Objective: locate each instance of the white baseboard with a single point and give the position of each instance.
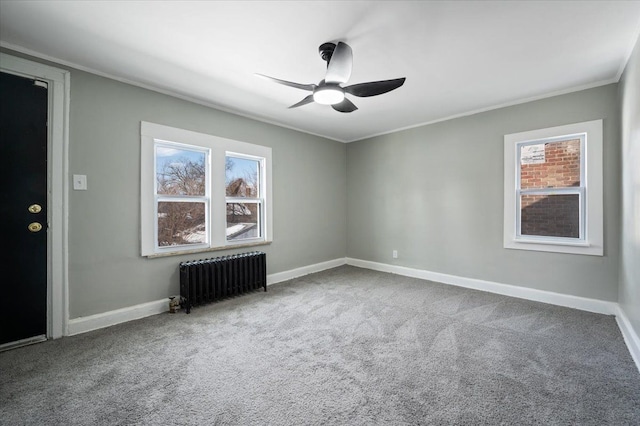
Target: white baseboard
(106, 319)
(305, 270)
(576, 302)
(630, 336)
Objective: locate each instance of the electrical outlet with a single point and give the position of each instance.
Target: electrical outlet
(80, 182)
(395, 254)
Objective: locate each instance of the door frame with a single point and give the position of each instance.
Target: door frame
(58, 81)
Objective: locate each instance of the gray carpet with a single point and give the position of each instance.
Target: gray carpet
(347, 346)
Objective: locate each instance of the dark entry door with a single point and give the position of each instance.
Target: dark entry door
(23, 208)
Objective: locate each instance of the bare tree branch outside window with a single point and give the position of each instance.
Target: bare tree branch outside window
(181, 223)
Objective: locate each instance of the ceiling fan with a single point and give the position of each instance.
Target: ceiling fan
(339, 58)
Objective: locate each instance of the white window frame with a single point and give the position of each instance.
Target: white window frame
(217, 148)
(205, 198)
(254, 200)
(590, 241)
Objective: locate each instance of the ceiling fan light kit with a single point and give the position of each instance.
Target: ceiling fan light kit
(339, 58)
(328, 94)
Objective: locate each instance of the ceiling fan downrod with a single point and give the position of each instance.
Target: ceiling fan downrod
(326, 51)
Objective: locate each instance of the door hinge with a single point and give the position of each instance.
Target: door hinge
(41, 83)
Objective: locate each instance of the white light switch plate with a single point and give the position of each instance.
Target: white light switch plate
(80, 182)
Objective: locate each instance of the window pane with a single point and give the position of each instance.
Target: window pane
(243, 221)
(180, 171)
(550, 165)
(242, 177)
(181, 223)
(550, 215)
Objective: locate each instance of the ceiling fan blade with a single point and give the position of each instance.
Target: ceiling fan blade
(374, 88)
(339, 68)
(345, 106)
(309, 87)
(305, 101)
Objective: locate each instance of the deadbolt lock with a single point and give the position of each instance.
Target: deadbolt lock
(35, 208)
(35, 227)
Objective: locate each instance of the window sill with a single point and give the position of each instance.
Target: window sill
(552, 242)
(584, 248)
(209, 249)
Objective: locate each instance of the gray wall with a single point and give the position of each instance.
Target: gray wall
(629, 290)
(106, 271)
(435, 194)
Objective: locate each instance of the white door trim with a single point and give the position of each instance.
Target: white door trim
(58, 81)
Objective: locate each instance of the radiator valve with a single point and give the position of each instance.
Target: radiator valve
(174, 304)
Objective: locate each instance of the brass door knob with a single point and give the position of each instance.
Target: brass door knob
(35, 227)
(35, 208)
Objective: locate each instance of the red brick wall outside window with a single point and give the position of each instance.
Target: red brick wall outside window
(554, 215)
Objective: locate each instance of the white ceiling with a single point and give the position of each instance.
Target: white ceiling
(459, 57)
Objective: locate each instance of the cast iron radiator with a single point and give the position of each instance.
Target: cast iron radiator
(207, 280)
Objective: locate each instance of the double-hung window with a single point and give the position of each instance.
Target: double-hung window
(201, 192)
(244, 202)
(182, 195)
(553, 189)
